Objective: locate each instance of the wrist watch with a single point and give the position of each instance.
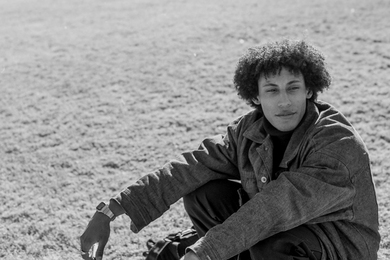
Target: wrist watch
(103, 208)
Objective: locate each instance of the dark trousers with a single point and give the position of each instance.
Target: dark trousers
(214, 202)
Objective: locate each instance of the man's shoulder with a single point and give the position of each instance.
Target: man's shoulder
(330, 117)
(335, 136)
(333, 126)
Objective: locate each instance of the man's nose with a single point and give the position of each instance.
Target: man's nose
(284, 100)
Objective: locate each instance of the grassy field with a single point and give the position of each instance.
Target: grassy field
(93, 94)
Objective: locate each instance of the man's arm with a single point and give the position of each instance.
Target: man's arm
(152, 195)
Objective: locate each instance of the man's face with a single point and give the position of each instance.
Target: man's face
(283, 99)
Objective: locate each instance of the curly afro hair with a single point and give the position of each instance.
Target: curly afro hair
(296, 56)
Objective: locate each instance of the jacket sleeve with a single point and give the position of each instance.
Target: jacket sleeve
(153, 194)
(320, 189)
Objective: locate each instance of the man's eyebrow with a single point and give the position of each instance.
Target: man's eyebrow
(294, 81)
(269, 84)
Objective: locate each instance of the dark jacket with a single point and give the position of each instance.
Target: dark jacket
(323, 181)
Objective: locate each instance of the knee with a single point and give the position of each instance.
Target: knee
(193, 200)
(189, 201)
(212, 195)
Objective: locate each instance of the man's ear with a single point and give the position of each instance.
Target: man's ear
(309, 94)
(256, 100)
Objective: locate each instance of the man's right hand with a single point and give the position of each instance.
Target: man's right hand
(97, 231)
(190, 256)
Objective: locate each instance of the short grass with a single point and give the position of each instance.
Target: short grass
(93, 94)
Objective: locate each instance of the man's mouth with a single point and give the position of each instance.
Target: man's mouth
(285, 114)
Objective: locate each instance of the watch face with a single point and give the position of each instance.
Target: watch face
(100, 206)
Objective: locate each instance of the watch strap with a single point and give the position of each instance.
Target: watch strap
(103, 208)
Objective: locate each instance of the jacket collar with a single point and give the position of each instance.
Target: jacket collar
(256, 133)
(300, 133)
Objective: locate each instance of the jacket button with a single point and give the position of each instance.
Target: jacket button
(263, 179)
(266, 148)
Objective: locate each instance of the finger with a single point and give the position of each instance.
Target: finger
(84, 248)
(84, 245)
(100, 249)
(93, 250)
(85, 255)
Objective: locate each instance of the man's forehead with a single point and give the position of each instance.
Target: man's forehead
(269, 75)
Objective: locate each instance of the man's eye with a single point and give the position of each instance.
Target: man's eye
(271, 90)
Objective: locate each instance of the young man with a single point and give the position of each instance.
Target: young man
(305, 189)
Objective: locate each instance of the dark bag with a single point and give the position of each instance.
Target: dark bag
(171, 247)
